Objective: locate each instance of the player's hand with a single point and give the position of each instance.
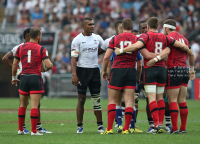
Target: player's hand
(15, 82)
(75, 80)
(151, 62)
(105, 76)
(117, 51)
(192, 74)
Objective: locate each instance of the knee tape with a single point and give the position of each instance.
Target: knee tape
(160, 90)
(96, 101)
(136, 97)
(150, 88)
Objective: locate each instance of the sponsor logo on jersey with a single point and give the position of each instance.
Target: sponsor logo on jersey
(90, 49)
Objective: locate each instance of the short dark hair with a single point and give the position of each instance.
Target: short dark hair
(86, 18)
(26, 31)
(35, 32)
(127, 24)
(136, 31)
(141, 23)
(170, 22)
(117, 23)
(153, 22)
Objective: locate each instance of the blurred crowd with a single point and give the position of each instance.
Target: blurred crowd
(51, 15)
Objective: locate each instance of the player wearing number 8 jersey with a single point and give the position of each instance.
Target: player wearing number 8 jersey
(31, 55)
(154, 77)
(177, 76)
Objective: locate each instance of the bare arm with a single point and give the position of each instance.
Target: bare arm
(7, 59)
(147, 55)
(139, 70)
(191, 58)
(106, 59)
(133, 47)
(105, 63)
(15, 66)
(74, 65)
(109, 68)
(129, 48)
(163, 55)
(182, 46)
(48, 64)
(191, 62)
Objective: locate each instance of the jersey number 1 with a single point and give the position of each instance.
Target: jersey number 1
(158, 46)
(29, 56)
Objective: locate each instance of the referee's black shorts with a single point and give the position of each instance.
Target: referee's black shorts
(88, 77)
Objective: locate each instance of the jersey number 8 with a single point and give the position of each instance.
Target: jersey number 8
(123, 43)
(158, 46)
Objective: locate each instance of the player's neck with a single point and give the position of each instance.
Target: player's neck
(86, 34)
(126, 31)
(153, 30)
(34, 41)
(170, 32)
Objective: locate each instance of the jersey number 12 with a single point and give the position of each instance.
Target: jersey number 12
(122, 43)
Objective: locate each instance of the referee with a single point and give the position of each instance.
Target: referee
(85, 49)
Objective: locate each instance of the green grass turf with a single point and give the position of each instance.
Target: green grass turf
(63, 125)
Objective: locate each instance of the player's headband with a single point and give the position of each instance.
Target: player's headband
(169, 26)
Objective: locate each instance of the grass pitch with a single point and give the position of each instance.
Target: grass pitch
(59, 116)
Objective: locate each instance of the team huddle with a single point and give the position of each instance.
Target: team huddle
(165, 74)
(133, 61)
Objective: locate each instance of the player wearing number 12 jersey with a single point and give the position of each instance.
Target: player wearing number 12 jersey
(123, 75)
(154, 78)
(31, 55)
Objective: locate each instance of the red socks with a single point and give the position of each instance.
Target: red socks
(154, 112)
(174, 115)
(21, 117)
(161, 107)
(128, 117)
(34, 119)
(183, 115)
(111, 115)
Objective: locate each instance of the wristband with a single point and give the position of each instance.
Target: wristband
(159, 58)
(121, 51)
(156, 59)
(191, 67)
(14, 78)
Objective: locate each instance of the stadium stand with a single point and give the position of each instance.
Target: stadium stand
(51, 15)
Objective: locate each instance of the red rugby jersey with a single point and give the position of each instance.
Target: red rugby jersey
(31, 55)
(155, 42)
(177, 57)
(125, 60)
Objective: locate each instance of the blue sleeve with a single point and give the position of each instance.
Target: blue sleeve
(112, 57)
(139, 56)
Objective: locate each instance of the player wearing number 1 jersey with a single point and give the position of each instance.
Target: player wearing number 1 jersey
(154, 78)
(177, 77)
(31, 55)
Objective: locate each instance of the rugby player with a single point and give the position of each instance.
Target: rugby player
(154, 78)
(8, 60)
(120, 105)
(85, 49)
(31, 55)
(177, 76)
